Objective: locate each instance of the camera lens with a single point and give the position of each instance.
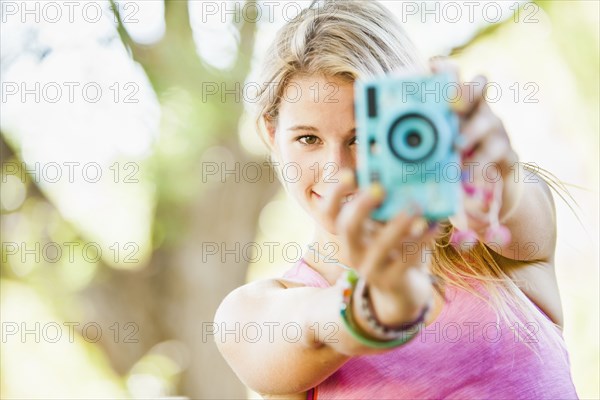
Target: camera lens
(413, 138)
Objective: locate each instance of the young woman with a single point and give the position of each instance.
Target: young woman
(488, 325)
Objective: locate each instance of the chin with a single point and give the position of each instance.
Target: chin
(311, 206)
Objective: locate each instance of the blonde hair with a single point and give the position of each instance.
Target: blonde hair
(333, 38)
(352, 40)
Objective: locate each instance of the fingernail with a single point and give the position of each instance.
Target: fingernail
(376, 191)
(469, 189)
(418, 227)
(457, 105)
(468, 153)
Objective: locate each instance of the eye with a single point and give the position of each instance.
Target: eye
(354, 140)
(308, 140)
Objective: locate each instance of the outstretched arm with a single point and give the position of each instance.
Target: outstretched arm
(527, 207)
(529, 213)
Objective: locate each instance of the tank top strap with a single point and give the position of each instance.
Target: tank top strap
(302, 272)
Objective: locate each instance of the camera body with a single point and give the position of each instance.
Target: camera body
(406, 132)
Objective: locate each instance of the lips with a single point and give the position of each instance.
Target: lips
(346, 199)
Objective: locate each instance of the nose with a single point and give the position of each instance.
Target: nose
(343, 156)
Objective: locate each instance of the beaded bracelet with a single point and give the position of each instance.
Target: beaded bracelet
(349, 281)
(386, 332)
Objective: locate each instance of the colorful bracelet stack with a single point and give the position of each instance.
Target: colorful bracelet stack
(385, 331)
(391, 336)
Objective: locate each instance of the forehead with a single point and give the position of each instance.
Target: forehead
(317, 97)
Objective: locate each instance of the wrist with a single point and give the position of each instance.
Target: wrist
(349, 313)
(400, 324)
(395, 313)
(513, 187)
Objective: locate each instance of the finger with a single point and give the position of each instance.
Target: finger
(370, 228)
(332, 202)
(387, 240)
(493, 151)
(478, 85)
(417, 284)
(430, 235)
(352, 218)
(476, 128)
(470, 96)
(422, 228)
(485, 145)
(424, 246)
(484, 140)
(445, 65)
(421, 236)
(441, 65)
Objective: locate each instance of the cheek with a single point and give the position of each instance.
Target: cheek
(299, 168)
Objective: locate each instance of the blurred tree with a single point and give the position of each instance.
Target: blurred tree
(175, 296)
(178, 291)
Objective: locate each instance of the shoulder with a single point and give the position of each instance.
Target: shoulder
(538, 281)
(291, 278)
(260, 286)
(298, 275)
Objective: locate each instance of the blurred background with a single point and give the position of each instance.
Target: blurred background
(135, 192)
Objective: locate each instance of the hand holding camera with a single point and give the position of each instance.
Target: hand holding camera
(413, 146)
(399, 281)
(409, 142)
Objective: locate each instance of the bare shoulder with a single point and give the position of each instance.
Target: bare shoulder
(271, 283)
(537, 280)
(240, 297)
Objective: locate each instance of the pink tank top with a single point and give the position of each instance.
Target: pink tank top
(464, 354)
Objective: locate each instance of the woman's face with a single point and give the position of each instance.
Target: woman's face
(315, 138)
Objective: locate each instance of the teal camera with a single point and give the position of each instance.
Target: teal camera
(406, 132)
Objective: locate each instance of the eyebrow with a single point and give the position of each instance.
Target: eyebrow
(311, 128)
